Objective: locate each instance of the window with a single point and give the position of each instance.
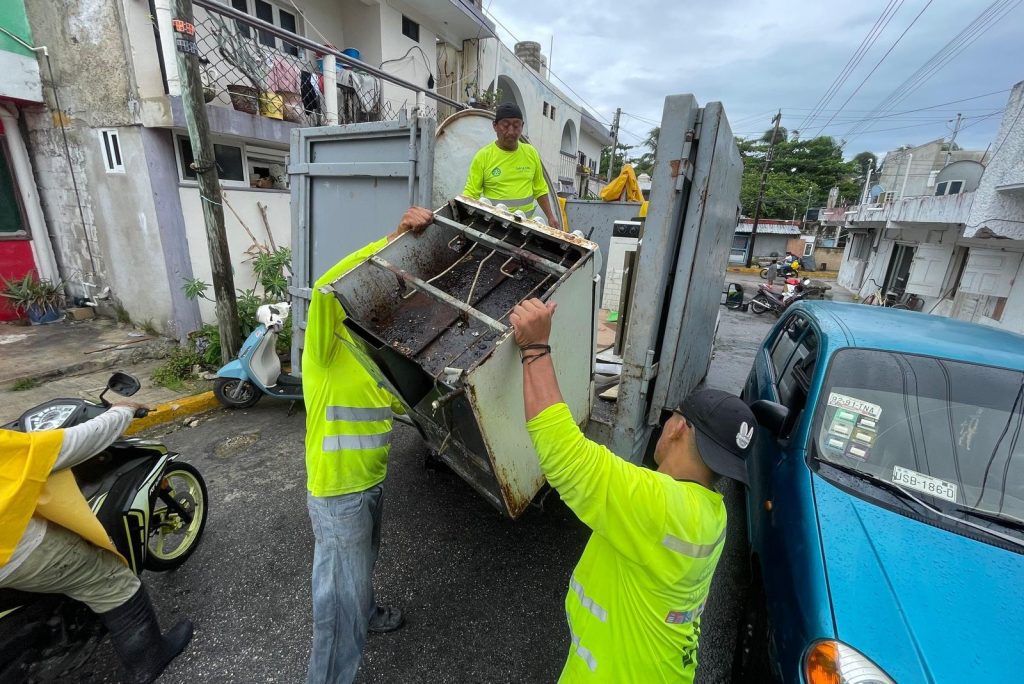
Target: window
(786, 342)
(267, 168)
(111, 150)
(545, 109)
(808, 248)
(230, 164)
(593, 165)
(271, 13)
(860, 247)
(12, 221)
(410, 29)
(552, 112)
(796, 381)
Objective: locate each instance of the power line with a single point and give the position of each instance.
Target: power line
(551, 73)
(978, 26)
(851, 64)
(874, 68)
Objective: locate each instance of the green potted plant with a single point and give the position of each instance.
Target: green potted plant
(41, 301)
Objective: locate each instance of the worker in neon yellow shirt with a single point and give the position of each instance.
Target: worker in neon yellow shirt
(509, 171)
(348, 439)
(636, 596)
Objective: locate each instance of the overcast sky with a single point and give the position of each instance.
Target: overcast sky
(756, 56)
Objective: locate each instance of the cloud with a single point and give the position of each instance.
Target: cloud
(759, 56)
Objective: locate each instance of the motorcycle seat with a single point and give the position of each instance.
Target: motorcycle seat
(289, 379)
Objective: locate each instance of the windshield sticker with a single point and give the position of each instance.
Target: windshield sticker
(864, 408)
(854, 426)
(926, 484)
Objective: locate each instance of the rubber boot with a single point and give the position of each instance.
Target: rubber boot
(135, 633)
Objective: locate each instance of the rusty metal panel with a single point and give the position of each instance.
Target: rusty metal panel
(458, 370)
(700, 265)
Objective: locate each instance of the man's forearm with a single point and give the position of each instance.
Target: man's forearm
(545, 205)
(540, 386)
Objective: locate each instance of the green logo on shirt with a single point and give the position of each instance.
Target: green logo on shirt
(496, 172)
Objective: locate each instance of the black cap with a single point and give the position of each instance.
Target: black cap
(725, 430)
(507, 110)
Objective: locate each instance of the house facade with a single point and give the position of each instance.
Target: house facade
(24, 243)
(774, 238)
(955, 250)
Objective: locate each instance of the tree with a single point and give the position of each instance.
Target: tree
(864, 161)
(620, 159)
(802, 172)
(781, 135)
(645, 162)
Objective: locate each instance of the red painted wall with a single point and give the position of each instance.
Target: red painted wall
(15, 261)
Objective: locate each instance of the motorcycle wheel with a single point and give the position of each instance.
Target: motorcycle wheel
(235, 393)
(171, 540)
(764, 273)
(759, 304)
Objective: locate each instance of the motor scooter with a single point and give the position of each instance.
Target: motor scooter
(257, 370)
(154, 509)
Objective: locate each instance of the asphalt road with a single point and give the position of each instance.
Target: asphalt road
(483, 595)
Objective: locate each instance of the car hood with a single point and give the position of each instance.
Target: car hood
(924, 603)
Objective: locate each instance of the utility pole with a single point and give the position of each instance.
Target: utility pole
(949, 149)
(760, 192)
(205, 165)
(615, 142)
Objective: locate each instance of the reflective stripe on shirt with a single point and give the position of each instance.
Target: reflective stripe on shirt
(587, 602)
(692, 550)
(584, 653)
(512, 203)
(358, 413)
(342, 442)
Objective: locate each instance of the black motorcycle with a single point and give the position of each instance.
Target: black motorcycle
(153, 507)
(768, 299)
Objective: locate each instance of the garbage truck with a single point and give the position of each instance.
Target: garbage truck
(429, 313)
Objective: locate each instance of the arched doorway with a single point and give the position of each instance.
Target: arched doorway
(567, 161)
(508, 91)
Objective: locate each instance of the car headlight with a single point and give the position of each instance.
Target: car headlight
(49, 417)
(833, 662)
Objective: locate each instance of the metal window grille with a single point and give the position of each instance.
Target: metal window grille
(254, 59)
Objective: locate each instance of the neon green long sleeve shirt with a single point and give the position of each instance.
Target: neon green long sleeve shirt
(636, 595)
(348, 414)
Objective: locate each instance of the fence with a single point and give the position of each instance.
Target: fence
(258, 68)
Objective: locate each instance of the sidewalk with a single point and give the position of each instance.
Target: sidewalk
(75, 359)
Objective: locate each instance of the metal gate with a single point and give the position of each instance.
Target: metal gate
(350, 186)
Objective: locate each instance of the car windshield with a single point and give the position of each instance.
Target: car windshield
(949, 432)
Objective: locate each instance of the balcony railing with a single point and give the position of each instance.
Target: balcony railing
(567, 166)
(256, 67)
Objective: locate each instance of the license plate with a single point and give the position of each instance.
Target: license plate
(925, 484)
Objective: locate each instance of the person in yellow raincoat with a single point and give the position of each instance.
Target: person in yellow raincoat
(51, 543)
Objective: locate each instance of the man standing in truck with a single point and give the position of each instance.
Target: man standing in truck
(509, 171)
(348, 438)
(636, 596)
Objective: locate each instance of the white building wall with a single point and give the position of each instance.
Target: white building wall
(1002, 211)
(244, 201)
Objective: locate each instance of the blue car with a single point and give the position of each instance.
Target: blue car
(885, 502)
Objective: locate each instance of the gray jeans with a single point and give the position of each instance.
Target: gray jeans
(347, 533)
(64, 563)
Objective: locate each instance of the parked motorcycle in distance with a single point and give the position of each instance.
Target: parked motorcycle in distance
(768, 299)
(257, 370)
(784, 271)
(154, 508)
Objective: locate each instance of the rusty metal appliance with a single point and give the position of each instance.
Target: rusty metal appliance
(431, 311)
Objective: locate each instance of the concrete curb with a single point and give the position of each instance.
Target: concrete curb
(174, 410)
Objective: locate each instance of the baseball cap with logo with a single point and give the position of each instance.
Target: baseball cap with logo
(725, 430)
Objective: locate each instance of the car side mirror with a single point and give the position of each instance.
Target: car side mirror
(771, 416)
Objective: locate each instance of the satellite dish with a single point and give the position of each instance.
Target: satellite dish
(875, 191)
